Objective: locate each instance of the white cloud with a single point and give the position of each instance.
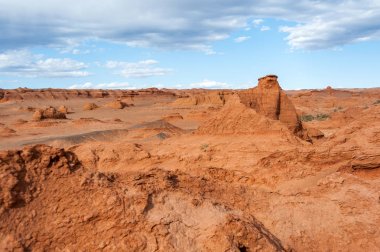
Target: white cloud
(341, 23)
(186, 24)
(208, 84)
(241, 39)
(24, 63)
(140, 69)
(257, 22)
(111, 85)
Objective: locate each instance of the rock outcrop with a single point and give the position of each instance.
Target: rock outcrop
(6, 132)
(270, 100)
(63, 109)
(116, 105)
(209, 98)
(65, 94)
(172, 117)
(236, 118)
(46, 192)
(314, 133)
(23, 171)
(48, 113)
(90, 106)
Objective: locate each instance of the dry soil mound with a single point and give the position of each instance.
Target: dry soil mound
(86, 121)
(158, 126)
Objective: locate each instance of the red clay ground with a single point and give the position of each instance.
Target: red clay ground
(190, 170)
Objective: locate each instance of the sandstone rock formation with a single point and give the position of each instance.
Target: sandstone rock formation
(6, 132)
(48, 113)
(116, 105)
(210, 98)
(270, 100)
(63, 109)
(365, 161)
(314, 133)
(237, 118)
(75, 207)
(23, 171)
(241, 182)
(173, 116)
(65, 94)
(90, 106)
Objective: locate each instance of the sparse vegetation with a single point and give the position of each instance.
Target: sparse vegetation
(322, 117)
(307, 118)
(204, 147)
(318, 117)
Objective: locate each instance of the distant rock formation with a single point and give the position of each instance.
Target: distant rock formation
(66, 94)
(209, 98)
(63, 109)
(90, 106)
(116, 105)
(48, 113)
(270, 100)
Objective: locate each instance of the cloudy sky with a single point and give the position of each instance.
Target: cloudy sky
(189, 43)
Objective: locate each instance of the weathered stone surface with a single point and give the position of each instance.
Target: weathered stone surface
(269, 100)
(90, 106)
(48, 113)
(116, 105)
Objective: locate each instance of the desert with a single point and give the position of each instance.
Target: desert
(189, 126)
(257, 169)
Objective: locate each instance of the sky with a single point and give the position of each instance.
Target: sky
(189, 43)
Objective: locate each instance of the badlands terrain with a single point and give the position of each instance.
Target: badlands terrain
(261, 169)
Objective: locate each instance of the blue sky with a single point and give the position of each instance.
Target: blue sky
(189, 44)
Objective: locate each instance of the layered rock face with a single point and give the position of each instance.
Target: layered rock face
(202, 97)
(270, 100)
(236, 118)
(65, 94)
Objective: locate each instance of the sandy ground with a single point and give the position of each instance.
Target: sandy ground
(160, 175)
